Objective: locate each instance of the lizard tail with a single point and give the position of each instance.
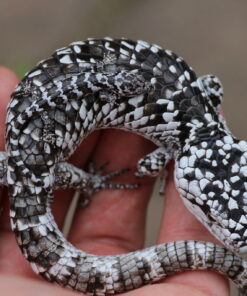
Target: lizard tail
(58, 261)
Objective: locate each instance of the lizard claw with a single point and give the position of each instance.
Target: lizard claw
(92, 169)
(98, 181)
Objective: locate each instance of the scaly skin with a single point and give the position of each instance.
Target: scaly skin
(142, 88)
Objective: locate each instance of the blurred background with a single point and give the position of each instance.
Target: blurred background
(210, 35)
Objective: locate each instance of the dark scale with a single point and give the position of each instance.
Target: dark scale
(145, 89)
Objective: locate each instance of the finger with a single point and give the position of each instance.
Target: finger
(10, 256)
(167, 289)
(179, 224)
(8, 81)
(17, 285)
(13, 285)
(115, 220)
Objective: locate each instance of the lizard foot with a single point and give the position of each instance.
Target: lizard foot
(98, 180)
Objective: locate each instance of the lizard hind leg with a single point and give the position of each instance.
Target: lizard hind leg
(69, 176)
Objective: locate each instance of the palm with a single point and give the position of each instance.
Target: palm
(113, 223)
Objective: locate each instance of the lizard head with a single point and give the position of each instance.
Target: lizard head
(212, 179)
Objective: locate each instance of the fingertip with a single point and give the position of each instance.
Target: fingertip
(15, 285)
(8, 80)
(199, 280)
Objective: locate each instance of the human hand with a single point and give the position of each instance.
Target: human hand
(113, 223)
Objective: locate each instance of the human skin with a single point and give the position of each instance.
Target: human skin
(114, 221)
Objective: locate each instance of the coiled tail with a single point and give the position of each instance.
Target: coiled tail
(58, 261)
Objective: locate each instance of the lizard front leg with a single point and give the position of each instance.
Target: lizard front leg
(152, 165)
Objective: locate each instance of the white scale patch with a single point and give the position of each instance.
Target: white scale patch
(172, 69)
(168, 116)
(136, 100)
(35, 73)
(65, 50)
(141, 45)
(187, 75)
(66, 60)
(155, 48)
(106, 109)
(124, 52)
(127, 45)
(37, 82)
(77, 48)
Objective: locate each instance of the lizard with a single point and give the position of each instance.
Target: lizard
(142, 88)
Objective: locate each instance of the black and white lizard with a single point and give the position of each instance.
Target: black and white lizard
(145, 89)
